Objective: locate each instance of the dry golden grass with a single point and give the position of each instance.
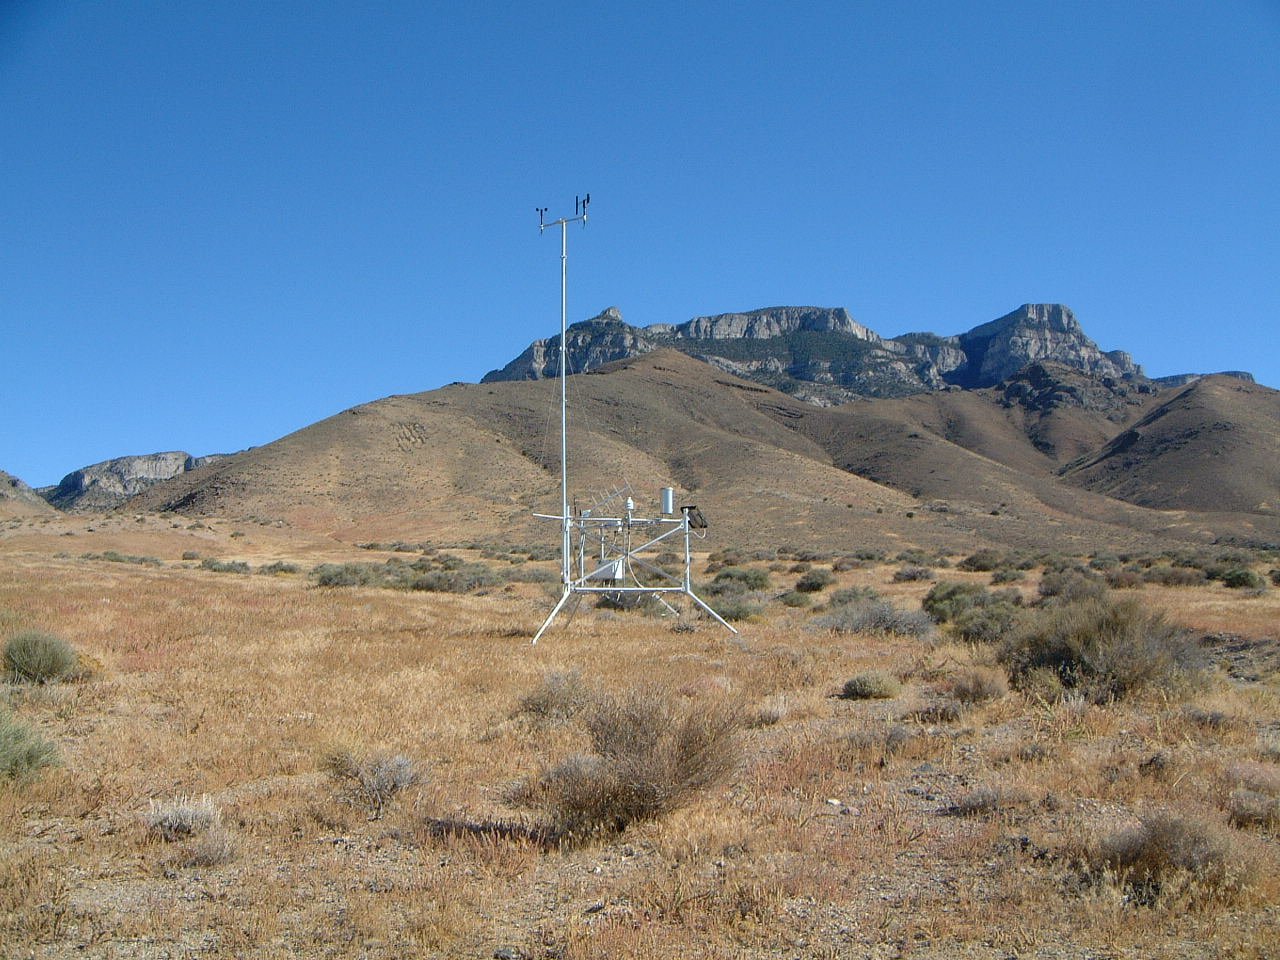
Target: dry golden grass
(849, 829)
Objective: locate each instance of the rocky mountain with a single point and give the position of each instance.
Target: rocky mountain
(106, 485)
(824, 356)
(18, 499)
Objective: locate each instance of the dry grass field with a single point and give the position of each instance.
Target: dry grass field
(251, 765)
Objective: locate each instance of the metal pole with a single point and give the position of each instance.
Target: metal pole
(565, 546)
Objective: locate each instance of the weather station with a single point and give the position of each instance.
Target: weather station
(609, 548)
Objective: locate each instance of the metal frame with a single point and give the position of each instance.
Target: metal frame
(611, 537)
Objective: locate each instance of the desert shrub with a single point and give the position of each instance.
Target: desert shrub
(374, 779)
(278, 567)
(1167, 576)
(33, 656)
(1070, 586)
(224, 566)
(989, 800)
(847, 595)
(987, 623)
(190, 555)
(912, 555)
(1172, 854)
(979, 685)
(802, 567)
(1253, 808)
(1007, 575)
(1274, 575)
(946, 710)
(181, 818)
(345, 574)
(1101, 648)
(732, 580)
(736, 608)
(981, 561)
(876, 616)
(911, 574)
(461, 579)
(871, 685)
(794, 598)
(561, 695)
(1123, 579)
(948, 599)
(1104, 562)
(886, 742)
(1241, 578)
(819, 578)
(651, 754)
(23, 751)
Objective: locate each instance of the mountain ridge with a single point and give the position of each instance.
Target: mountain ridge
(824, 356)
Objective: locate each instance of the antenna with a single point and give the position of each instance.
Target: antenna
(616, 541)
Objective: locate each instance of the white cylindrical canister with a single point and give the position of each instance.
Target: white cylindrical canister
(668, 501)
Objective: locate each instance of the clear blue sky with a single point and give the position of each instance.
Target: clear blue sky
(220, 222)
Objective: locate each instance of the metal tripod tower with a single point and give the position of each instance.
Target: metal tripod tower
(607, 556)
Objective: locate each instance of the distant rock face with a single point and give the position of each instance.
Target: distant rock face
(824, 356)
(1182, 379)
(106, 485)
(1034, 332)
(16, 495)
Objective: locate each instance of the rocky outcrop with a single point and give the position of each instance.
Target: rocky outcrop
(588, 345)
(1182, 379)
(1034, 332)
(16, 498)
(824, 356)
(107, 485)
(766, 324)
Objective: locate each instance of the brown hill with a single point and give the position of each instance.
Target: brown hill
(1212, 446)
(474, 461)
(19, 500)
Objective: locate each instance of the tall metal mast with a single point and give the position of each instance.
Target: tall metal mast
(613, 570)
(579, 216)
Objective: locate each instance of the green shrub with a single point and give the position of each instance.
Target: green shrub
(224, 566)
(36, 657)
(1167, 576)
(463, 579)
(871, 685)
(847, 595)
(794, 598)
(819, 578)
(912, 574)
(1241, 578)
(23, 750)
(346, 574)
(948, 599)
(1102, 648)
(278, 567)
(1070, 586)
(732, 580)
(983, 561)
(988, 623)
(1007, 575)
(736, 608)
(1123, 579)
